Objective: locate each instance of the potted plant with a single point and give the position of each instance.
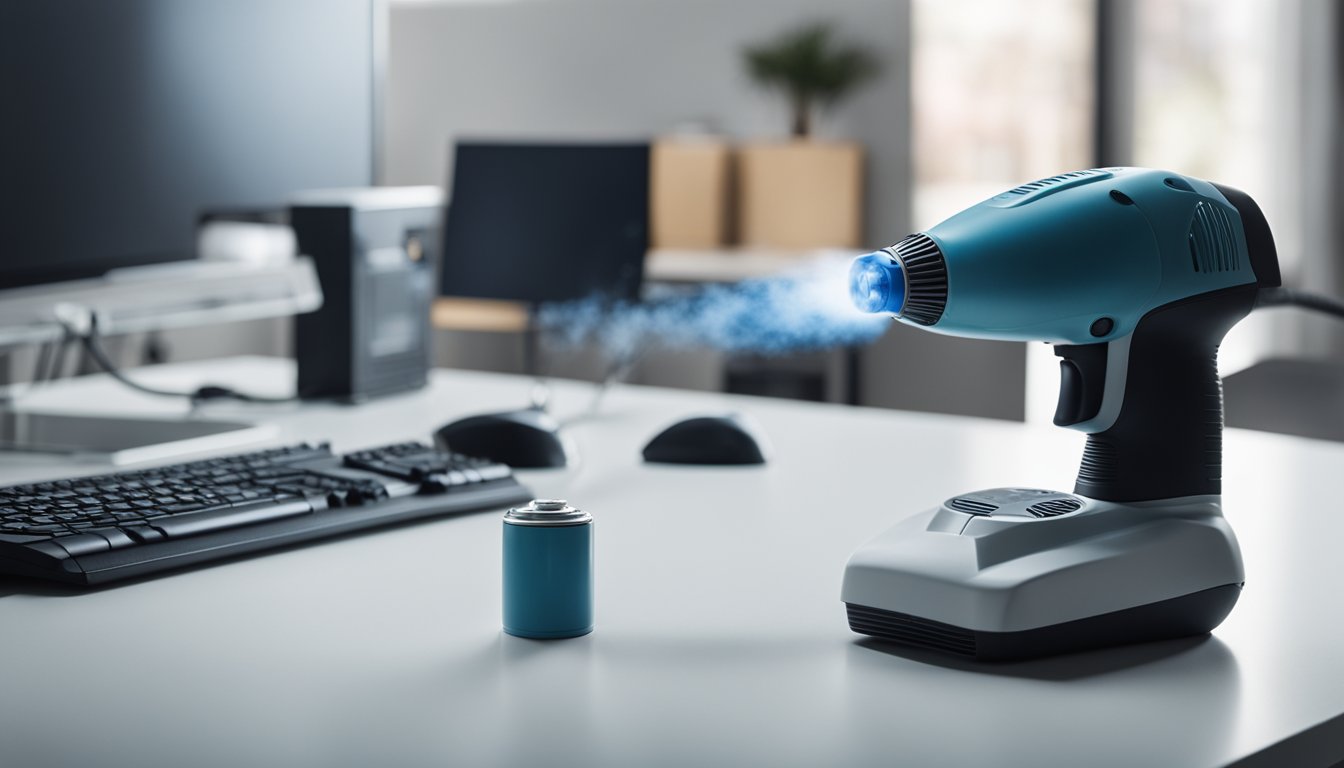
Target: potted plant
(811, 68)
(804, 193)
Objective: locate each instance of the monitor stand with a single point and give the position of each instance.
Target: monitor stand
(121, 440)
(141, 299)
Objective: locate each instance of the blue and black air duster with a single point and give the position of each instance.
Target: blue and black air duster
(1134, 275)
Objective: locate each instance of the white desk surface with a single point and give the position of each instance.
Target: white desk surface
(720, 640)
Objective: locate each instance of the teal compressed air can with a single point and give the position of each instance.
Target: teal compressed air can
(548, 570)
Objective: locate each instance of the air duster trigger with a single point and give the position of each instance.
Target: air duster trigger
(1082, 382)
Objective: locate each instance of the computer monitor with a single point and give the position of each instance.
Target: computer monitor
(125, 121)
(546, 222)
(121, 123)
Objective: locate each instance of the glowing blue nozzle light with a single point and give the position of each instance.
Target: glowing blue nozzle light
(876, 283)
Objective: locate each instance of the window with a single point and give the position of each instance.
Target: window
(1002, 93)
(1213, 99)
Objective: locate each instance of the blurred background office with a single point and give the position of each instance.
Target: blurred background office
(949, 102)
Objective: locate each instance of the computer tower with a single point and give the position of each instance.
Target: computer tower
(374, 250)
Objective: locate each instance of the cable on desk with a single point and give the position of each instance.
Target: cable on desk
(1283, 297)
(91, 341)
(44, 354)
(51, 358)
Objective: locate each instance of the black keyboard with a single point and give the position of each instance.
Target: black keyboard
(92, 530)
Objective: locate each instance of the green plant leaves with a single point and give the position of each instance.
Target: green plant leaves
(810, 65)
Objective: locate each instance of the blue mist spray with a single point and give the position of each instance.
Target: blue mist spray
(807, 308)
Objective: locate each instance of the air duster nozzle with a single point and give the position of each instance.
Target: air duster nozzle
(876, 283)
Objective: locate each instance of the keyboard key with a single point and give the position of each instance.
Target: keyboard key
(304, 454)
(385, 468)
(116, 538)
(143, 533)
(192, 523)
(82, 543)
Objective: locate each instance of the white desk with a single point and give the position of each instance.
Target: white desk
(720, 640)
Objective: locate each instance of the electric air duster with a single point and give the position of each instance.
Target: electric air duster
(1134, 275)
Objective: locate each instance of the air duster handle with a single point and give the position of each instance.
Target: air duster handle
(1166, 441)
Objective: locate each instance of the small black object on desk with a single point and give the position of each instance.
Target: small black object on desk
(528, 439)
(722, 440)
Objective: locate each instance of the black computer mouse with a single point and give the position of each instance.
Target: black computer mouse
(707, 440)
(526, 439)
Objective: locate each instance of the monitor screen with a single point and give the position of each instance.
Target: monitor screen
(125, 121)
(546, 222)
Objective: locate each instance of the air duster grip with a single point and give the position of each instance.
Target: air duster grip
(1168, 438)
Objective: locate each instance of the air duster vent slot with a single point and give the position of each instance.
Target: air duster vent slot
(1042, 187)
(1213, 242)
(911, 630)
(971, 506)
(1054, 181)
(1054, 507)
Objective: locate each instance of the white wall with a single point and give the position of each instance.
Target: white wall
(624, 69)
